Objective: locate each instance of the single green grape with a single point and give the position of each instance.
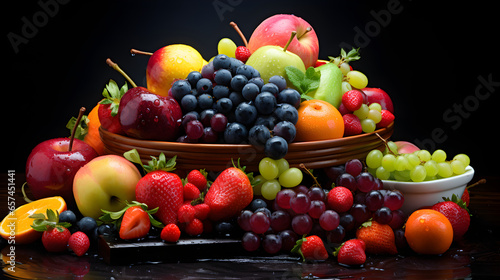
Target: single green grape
(368, 125)
(392, 147)
(374, 115)
(418, 173)
(257, 188)
(226, 46)
(431, 167)
(382, 174)
(403, 176)
(282, 165)
(268, 168)
(424, 155)
(357, 79)
(444, 170)
(374, 158)
(345, 68)
(291, 177)
(346, 86)
(458, 167)
(389, 162)
(401, 163)
(362, 112)
(439, 156)
(270, 189)
(413, 160)
(375, 106)
(463, 158)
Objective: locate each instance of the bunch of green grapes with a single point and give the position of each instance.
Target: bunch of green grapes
(273, 175)
(352, 78)
(418, 166)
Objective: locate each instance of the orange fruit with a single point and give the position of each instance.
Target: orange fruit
(17, 224)
(318, 120)
(93, 138)
(428, 232)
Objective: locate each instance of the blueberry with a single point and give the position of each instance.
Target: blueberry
(250, 91)
(189, 103)
(204, 85)
(234, 64)
(279, 81)
(258, 135)
(245, 70)
(87, 225)
(67, 217)
(220, 91)
(236, 98)
(224, 105)
(257, 204)
(258, 81)
(269, 121)
(286, 130)
(224, 229)
(223, 77)
(205, 101)
(193, 78)
(238, 82)
(235, 133)
(180, 88)
(272, 88)
(276, 147)
(265, 103)
(221, 61)
(246, 113)
(287, 112)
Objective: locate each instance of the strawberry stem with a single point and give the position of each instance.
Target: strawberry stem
(233, 24)
(80, 114)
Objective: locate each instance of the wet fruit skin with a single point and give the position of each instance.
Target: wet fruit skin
(145, 115)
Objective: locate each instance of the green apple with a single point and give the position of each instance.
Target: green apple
(330, 85)
(272, 60)
(105, 182)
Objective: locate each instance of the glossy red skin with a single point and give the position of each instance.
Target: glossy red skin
(377, 95)
(50, 167)
(145, 115)
(108, 122)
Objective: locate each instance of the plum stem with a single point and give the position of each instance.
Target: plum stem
(235, 26)
(80, 115)
(117, 68)
(134, 51)
(294, 33)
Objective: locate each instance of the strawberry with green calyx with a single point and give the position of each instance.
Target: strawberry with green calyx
(160, 163)
(108, 107)
(115, 218)
(310, 248)
(351, 252)
(457, 213)
(379, 238)
(230, 193)
(55, 234)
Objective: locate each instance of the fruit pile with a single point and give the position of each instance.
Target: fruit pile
(270, 93)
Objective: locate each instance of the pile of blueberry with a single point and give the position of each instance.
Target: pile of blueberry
(228, 102)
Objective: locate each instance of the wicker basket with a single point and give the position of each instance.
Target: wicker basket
(217, 157)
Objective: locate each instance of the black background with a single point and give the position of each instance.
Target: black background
(428, 57)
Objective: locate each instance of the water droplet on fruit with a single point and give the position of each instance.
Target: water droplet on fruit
(156, 102)
(132, 54)
(179, 60)
(143, 122)
(155, 119)
(148, 110)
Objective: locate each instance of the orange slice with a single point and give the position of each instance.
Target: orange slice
(17, 226)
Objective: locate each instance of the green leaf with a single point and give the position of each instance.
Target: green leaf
(304, 82)
(113, 89)
(38, 216)
(82, 129)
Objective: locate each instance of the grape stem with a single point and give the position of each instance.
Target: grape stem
(303, 167)
(235, 26)
(80, 115)
(385, 143)
(117, 68)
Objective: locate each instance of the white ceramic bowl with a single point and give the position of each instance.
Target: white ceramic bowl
(428, 193)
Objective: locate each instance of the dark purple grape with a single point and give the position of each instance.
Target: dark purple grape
(218, 122)
(346, 180)
(283, 198)
(259, 222)
(394, 200)
(317, 209)
(271, 243)
(337, 235)
(347, 221)
(383, 215)
(194, 129)
(302, 224)
(365, 182)
(316, 193)
(374, 200)
(398, 219)
(250, 241)
(244, 220)
(329, 220)
(360, 213)
(209, 135)
(354, 167)
(288, 240)
(280, 220)
(300, 203)
(334, 172)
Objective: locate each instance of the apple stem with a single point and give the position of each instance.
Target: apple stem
(235, 26)
(117, 68)
(309, 29)
(294, 33)
(134, 52)
(80, 115)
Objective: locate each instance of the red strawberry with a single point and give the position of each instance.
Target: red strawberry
(340, 199)
(202, 211)
(170, 233)
(135, 223)
(79, 243)
(379, 238)
(387, 119)
(242, 53)
(195, 227)
(311, 248)
(164, 190)
(198, 178)
(229, 194)
(352, 252)
(56, 239)
(352, 100)
(352, 125)
(466, 197)
(108, 107)
(456, 212)
(186, 213)
(191, 192)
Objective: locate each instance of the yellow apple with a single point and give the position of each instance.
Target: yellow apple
(105, 182)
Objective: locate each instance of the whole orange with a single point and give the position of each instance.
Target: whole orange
(428, 232)
(318, 120)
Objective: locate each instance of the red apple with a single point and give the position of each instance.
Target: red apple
(276, 31)
(377, 95)
(51, 167)
(405, 147)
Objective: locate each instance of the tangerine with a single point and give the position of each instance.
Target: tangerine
(428, 232)
(318, 120)
(92, 137)
(17, 223)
